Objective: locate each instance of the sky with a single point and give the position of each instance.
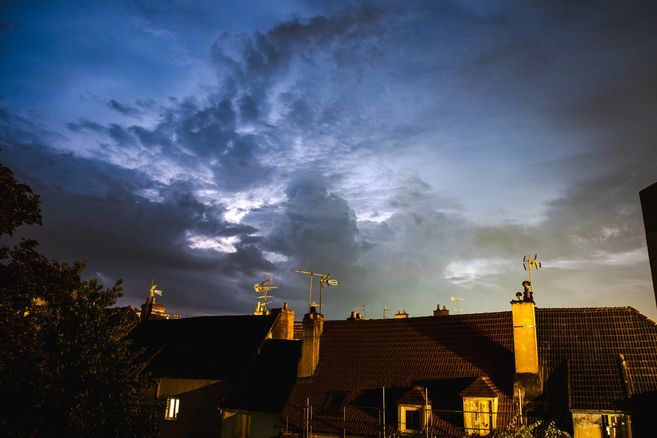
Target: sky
(416, 150)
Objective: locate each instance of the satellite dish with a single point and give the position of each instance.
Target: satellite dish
(333, 282)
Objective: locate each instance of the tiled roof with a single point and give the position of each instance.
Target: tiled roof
(267, 383)
(444, 354)
(414, 396)
(481, 387)
(590, 342)
(209, 347)
(579, 350)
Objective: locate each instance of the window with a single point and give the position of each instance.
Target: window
(604, 425)
(411, 419)
(616, 426)
(173, 405)
(479, 415)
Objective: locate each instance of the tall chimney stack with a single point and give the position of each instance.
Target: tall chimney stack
(313, 326)
(525, 343)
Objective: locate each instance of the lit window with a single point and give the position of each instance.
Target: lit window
(615, 425)
(173, 405)
(479, 415)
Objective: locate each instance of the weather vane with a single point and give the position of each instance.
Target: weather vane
(325, 280)
(147, 307)
(264, 299)
(530, 262)
(154, 291)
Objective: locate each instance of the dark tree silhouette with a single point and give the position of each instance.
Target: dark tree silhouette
(66, 368)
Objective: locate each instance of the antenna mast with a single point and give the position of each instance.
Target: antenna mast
(264, 299)
(325, 280)
(530, 262)
(456, 300)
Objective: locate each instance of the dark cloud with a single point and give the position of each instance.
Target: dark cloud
(92, 212)
(407, 114)
(84, 124)
(124, 109)
(317, 228)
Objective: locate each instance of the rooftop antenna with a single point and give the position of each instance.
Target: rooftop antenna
(325, 280)
(456, 300)
(264, 299)
(530, 262)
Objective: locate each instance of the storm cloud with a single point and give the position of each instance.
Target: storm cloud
(414, 151)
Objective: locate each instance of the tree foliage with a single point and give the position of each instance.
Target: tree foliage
(66, 368)
(18, 205)
(533, 430)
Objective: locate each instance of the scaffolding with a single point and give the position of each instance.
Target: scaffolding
(434, 424)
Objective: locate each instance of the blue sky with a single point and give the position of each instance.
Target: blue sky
(415, 150)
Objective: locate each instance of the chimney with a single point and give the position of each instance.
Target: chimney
(355, 316)
(441, 312)
(313, 325)
(284, 326)
(401, 314)
(525, 343)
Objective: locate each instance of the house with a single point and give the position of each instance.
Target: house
(220, 375)
(591, 370)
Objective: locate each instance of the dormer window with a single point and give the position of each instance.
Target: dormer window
(480, 400)
(479, 415)
(413, 412)
(411, 419)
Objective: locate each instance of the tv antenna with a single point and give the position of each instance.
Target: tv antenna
(456, 300)
(530, 262)
(325, 280)
(264, 299)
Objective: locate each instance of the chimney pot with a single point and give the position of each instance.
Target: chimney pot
(440, 312)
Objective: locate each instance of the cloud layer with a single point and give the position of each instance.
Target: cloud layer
(414, 151)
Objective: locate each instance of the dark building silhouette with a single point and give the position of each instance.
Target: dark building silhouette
(649, 207)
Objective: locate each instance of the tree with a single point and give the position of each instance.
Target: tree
(519, 430)
(18, 204)
(66, 368)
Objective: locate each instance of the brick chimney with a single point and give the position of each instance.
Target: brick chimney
(284, 326)
(355, 316)
(525, 344)
(441, 312)
(313, 325)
